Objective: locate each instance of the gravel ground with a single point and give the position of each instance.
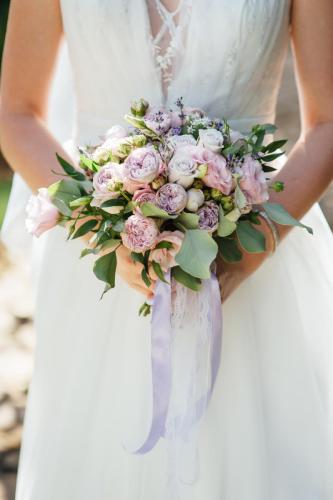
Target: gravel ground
(16, 331)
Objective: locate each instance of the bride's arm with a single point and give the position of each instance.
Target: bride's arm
(32, 42)
(309, 168)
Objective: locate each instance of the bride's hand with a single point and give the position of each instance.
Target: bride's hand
(231, 275)
(130, 272)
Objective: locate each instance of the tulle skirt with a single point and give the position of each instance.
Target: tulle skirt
(267, 433)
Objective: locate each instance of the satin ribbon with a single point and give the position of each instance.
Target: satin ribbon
(161, 335)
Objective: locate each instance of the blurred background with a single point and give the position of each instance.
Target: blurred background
(16, 307)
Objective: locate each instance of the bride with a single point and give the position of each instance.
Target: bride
(267, 433)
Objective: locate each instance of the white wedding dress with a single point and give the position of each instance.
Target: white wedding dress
(267, 433)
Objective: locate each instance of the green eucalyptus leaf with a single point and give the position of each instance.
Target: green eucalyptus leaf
(62, 207)
(137, 257)
(197, 252)
(70, 170)
(105, 268)
(188, 220)
(150, 210)
(250, 239)
(85, 228)
(145, 278)
(89, 164)
(159, 271)
(88, 251)
(279, 214)
(110, 244)
(80, 202)
(66, 190)
(186, 279)
(273, 146)
(272, 157)
(240, 198)
(164, 244)
(229, 250)
(115, 202)
(226, 226)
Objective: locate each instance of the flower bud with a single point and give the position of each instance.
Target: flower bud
(195, 198)
(139, 140)
(158, 182)
(227, 203)
(216, 194)
(197, 184)
(277, 186)
(139, 107)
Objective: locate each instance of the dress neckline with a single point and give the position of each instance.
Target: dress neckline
(168, 41)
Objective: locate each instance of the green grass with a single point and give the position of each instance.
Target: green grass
(5, 186)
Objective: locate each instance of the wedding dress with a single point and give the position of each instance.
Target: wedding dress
(267, 432)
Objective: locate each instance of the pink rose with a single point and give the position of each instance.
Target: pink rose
(218, 175)
(158, 119)
(172, 198)
(253, 182)
(141, 167)
(42, 215)
(140, 233)
(165, 257)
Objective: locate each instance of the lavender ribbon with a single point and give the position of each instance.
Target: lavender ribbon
(161, 361)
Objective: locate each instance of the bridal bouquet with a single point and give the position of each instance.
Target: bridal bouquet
(176, 188)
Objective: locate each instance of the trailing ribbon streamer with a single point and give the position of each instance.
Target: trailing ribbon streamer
(161, 335)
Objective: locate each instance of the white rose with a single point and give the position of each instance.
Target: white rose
(101, 154)
(211, 139)
(182, 169)
(177, 141)
(195, 198)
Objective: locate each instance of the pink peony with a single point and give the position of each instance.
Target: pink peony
(144, 195)
(158, 119)
(105, 183)
(42, 215)
(140, 233)
(172, 198)
(209, 216)
(141, 167)
(165, 257)
(252, 181)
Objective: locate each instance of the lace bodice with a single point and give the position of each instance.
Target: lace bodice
(225, 57)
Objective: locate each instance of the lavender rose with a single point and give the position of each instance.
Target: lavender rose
(209, 216)
(172, 198)
(142, 166)
(184, 166)
(140, 233)
(42, 215)
(144, 196)
(107, 182)
(158, 119)
(253, 182)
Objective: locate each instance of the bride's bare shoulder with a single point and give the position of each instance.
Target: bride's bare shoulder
(33, 37)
